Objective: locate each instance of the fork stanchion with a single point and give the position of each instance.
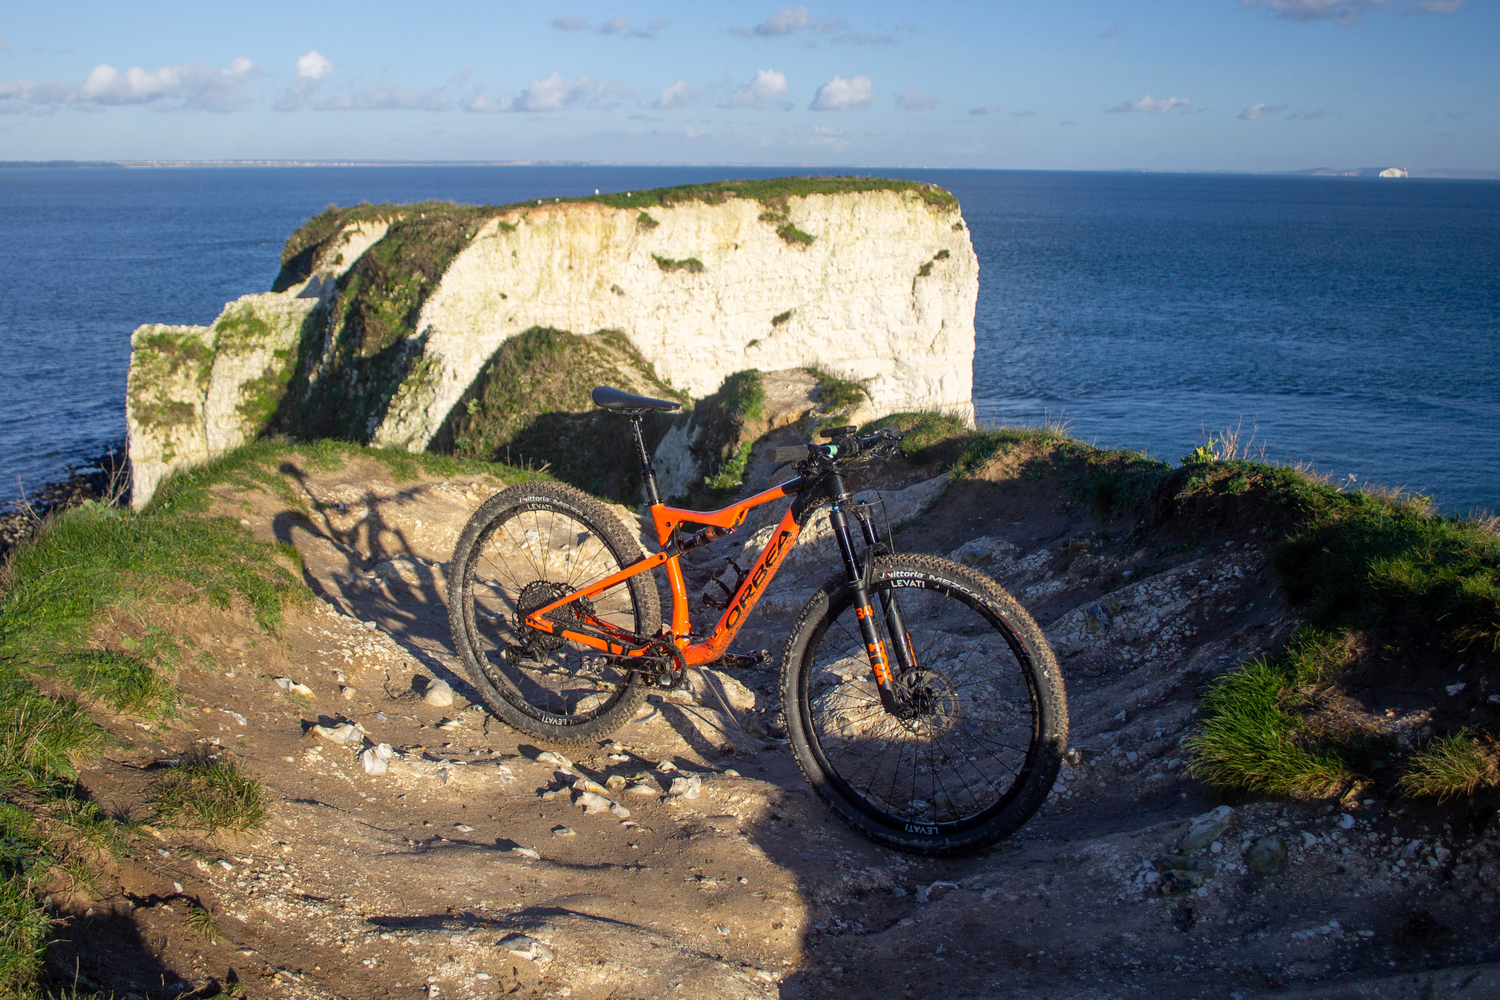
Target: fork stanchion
(874, 648)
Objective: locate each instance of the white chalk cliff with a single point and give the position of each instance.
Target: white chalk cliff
(883, 292)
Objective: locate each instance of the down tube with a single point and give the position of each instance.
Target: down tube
(784, 537)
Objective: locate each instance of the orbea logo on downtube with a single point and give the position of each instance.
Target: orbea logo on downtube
(773, 553)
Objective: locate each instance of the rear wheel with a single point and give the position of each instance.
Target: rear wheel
(523, 549)
(983, 720)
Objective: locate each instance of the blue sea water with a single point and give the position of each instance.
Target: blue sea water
(1350, 324)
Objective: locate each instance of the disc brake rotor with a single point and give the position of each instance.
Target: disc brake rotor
(931, 704)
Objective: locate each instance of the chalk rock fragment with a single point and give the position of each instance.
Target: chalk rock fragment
(529, 948)
(686, 788)
(376, 758)
(342, 733)
(1266, 855)
(592, 802)
(438, 694)
(1206, 829)
(555, 759)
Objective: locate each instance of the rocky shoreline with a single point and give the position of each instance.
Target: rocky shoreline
(102, 479)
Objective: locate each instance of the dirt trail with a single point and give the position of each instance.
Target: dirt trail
(439, 876)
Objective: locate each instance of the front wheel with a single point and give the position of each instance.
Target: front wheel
(523, 549)
(982, 717)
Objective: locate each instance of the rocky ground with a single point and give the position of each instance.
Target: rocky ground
(466, 869)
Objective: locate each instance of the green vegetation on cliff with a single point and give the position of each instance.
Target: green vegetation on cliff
(1393, 596)
(531, 407)
(348, 372)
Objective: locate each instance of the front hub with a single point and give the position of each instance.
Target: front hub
(929, 702)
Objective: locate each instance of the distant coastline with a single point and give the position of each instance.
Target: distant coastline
(1415, 173)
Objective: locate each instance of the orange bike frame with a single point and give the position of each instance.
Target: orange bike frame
(617, 642)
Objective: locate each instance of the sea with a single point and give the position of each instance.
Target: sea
(1347, 325)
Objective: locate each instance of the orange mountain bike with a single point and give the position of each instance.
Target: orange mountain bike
(922, 702)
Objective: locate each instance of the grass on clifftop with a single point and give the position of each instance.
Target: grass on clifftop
(1391, 593)
(59, 667)
(530, 406)
(307, 242)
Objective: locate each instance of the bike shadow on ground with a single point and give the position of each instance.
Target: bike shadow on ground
(376, 571)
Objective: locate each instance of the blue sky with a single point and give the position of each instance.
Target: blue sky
(1203, 85)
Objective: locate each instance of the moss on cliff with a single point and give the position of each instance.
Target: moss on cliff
(163, 359)
(530, 406)
(312, 238)
(351, 367)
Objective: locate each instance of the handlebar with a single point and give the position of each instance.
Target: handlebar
(847, 446)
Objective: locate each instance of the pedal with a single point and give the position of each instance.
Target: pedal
(744, 661)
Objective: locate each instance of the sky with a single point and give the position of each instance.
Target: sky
(1239, 85)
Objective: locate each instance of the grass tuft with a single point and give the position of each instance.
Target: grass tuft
(201, 921)
(210, 795)
(792, 236)
(1449, 767)
(24, 924)
(839, 396)
(44, 739)
(1248, 737)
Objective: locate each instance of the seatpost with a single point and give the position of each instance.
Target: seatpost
(648, 474)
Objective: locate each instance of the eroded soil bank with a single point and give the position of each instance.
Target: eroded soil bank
(405, 884)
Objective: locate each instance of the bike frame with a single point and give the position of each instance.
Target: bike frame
(816, 482)
(668, 521)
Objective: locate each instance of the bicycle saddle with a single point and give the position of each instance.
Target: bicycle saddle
(617, 401)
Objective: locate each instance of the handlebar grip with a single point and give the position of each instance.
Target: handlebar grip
(794, 453)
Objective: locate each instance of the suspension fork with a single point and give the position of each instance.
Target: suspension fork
(863, 611)
(895, 624)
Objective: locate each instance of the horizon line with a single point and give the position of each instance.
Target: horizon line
(1428, 173)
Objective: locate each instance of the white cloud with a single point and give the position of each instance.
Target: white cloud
(1343, 11)
(766, 91)
(986, 109)
(788, 21)
(479, 101)
(556, 93)
(311, 70)
(676, 95)
(194, 86)
(553, 93)
(570, 23)
(839, 94)
(1255, 111)
(1151, 105)
(827, 135)
(391, 97)
(915, 100)
(314, 66)
(688, 132)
